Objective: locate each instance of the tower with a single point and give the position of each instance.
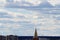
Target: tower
(35, 35)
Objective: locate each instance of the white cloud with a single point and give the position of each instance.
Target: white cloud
(54, 2)
(34, 2)
(26, 4)
(2, 3)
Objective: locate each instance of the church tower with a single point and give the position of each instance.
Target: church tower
(35, 35)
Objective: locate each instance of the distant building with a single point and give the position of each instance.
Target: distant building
(11, 37)
(2, 37)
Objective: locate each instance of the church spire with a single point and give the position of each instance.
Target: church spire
(35, 35)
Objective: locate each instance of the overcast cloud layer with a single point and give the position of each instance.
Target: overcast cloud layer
(22, 21)
(4, 3)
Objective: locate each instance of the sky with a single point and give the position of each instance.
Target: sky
(35, 2)
(22, 22)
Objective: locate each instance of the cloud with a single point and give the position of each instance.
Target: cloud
(14, 23)
(2, 3)
(16, 3)
(54, 2)
(24, 21)
(34, 2)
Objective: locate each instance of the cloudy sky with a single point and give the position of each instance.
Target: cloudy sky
(22, 22)
(35, 2)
